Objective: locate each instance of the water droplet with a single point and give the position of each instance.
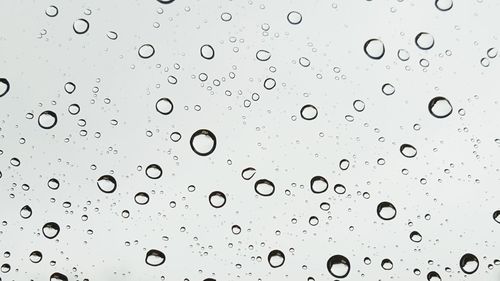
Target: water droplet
(440, 107)
(248, 173)
(53, 184)
(358, 105)
(269, 83)
(318, 184)
(154, 171)
(433, 276)
(141, 198)
(112, 35)
(496, 216)
(146, 51)
(236, 229)
(386, 211)
(5, 268)
(217, 199)
(338, 266)
(492, 53)
(424, 40)
(408, 150)
(166, 1)
(485, 62)
(50, 230)
(69, 87)
(203, 142)
(207, 52)
(374, 49)
(403, 55)
(415, 236)
(107, 184)
(388, 89)
(80, 26)
(308, 112)
(387, 264)
(305, 62)
(164, 106)
(36, 257)
(155, 257)
(339, 188)
(25, 212)
(56, 276)
(294, 17)
(47, 119)
(276, 258)
(226, 16)
(263, 55)
(469, 263)
(444, 5)
(344, 164)
(4, 86)
(264, 187)
(51, 11)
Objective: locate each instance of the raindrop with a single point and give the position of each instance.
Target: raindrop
(269, 83)
(263, 55)
(308, 112)
(248, 173)
(141, 198)
(69, 87)
(433, 276)
(386, 211)
(339, 188)
(440, 107)
(387, 264)
(51, 11)
(492, 53)
(338, 266)
(50, 230)
(264, 187)
(155, 258)
(166, 1)
(415, 236)
(469, 263)
(408, 150)
(236, 229)
(207, 52)
(154, 171)
(226, 16)
(276, 258)
(318, 184)
(80, 26)
(25, 212)
(47, 119)
(358, 105)
(444, 5)
(4, 86)
(5, 268)
(36, 257)
(403, 55)
(305, 62)
(374, 49)
(203, 142)
(294, 17)
(106, 184)
(496, 216)
(146, 51)
(56, 276)
(388, 89)
(217, 199)
(53, 184)
(424, 40)
(344, 164)
(112, 35)
(164, 106)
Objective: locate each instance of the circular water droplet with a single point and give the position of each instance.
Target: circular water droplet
(386, 211)
(141, 198)
(344, 164)
(408, 150)
(294, 17)
(469, 263)
(154, 171)
(269, 83)
(236, 229)
(388, 89)
(226, 16)
(248, 173)
(207, 52)
(492, 53)
(338, 266)
(80, 26)
(4, 86)
(69, 87)
(444, 5)
(424, 40)
(112, 35)
(440, 107)
(56, 276)
(164, 106)
(485, 62)
(50, 230)
(387, 264)
(305, 62)
(5, 268)
(276, 258)
(47, 119)
(313, 221)
(403, 55)
(146, 51)
(308, 112)
(165, 1)
(51, 11)
(203, 142)
(358, 105)
(374, 49)
(26, 212)
(415, 236)
(496, 216)
(339, 188)
(263, 55)
(36, 257)
(155, 257)
(433, 276)
(318, 184)
(264, 187)
(107, 184)
(53, 184)
(217, 199)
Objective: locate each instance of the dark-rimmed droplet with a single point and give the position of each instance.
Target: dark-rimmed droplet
(248, 173)
(338, 266)
(424, 40)
(308, 112)
(155, 257)
(203, 142)
(469, 263)
(374, 49)
(81, 26)
(386, 211)
(36, 257)
(154, 171)
(408, 150)
(141, 198)
(107, 183)
(207, 52)
(47, 119)
(4, 86)
(217, 199)
(50, 230)
(318, 184)
(26, 212)
(440, 107)
(164, 106)
(264, 187)
(146, 51)
(294, 17)
(276, 258)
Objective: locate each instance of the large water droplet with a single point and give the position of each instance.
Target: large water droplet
(36, 257)
(53, 184)
(374, 49)
(276, 258)
(496, 216)
(217, 199)
(4, 86)
(26, 212)
(51, 11)
(318, 184)
(56, 276)
(386, 211)
(47, 119)
(203, 142)
(107, 184)
(155, 257)
(50, 230)
(433, 276)
(387, 264)
(207, 52)
(264, 187)
(146, 51)
(308, 112)
(469, 263)
(440, 107)
(164, 106)
(294, 17)
(424, 40)
(154, 171)
(338, 266)
(248, 173)
(444, 5)
(415, 236)
(80, 26)
(408, 150)
(141, 198)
